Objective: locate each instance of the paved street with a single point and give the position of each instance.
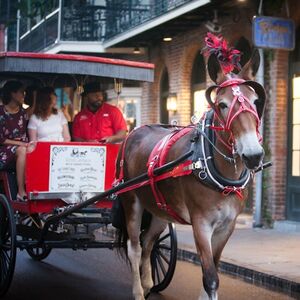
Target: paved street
(100, 274)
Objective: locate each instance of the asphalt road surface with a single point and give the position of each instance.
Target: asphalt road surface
(102, 275)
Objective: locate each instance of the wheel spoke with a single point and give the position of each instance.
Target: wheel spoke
(165, 247)
(162, 238)
(6, 255)
(162, 255)
(157, 271)
(7, 237)
(162, 266)
(4, 265)
(6, 247)
(7, 244)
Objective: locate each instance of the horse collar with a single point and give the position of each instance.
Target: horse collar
(203, 161)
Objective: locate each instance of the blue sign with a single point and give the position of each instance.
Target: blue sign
(275, 33)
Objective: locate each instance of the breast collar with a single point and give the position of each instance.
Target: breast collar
(203, 161)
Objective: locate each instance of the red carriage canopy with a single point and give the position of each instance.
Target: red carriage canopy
(26, 62)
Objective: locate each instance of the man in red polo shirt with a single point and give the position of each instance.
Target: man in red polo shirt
(99, 121)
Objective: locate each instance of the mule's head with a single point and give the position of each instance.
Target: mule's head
(239, 104)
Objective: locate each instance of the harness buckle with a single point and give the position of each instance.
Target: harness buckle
(162, 206)
(114, 196)
(121, 163)
(197, 165)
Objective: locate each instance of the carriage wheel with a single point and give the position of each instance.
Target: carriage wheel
(164, 258)
(38, 253)
(7, 245)
(41, 252)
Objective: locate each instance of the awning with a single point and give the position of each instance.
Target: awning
(26, 62)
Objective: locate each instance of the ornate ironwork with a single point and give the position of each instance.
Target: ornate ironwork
(42, 36)
(125, 15)
(83, 23)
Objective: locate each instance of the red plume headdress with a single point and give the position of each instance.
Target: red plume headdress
(228, 57)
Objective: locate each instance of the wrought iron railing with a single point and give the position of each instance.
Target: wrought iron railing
(123, 15)
(90, 22)
(41, 37)
(83, 24)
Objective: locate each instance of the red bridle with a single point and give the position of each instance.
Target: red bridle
(244, 106)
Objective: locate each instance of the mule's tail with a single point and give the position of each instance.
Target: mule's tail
(118, 221)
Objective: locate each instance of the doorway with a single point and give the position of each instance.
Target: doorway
(293, 178)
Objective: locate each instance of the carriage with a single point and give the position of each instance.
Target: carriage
(198, 174)
(70, 186)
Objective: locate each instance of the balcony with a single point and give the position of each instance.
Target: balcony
(98, 25)
(69, 24)
(125, 16)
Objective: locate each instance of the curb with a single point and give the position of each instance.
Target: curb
(271, 282)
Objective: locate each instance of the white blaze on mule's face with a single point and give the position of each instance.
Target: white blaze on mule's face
(248, 144)
(243, 125)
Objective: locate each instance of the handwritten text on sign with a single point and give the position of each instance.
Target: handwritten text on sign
(77, 168)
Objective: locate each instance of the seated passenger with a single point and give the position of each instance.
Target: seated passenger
(99, 121)
(13, 139)
(47, 122)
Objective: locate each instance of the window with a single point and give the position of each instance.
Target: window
(296, 128)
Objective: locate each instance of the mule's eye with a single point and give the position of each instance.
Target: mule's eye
(222, 105)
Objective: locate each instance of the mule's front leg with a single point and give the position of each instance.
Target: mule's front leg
(202, 235)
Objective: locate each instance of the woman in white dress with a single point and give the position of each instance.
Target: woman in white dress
(47, 122)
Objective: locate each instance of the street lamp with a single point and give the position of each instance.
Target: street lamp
(172, 102)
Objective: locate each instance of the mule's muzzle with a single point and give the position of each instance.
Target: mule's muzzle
(253, 160)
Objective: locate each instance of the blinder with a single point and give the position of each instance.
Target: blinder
(260, 103)
(208, 96)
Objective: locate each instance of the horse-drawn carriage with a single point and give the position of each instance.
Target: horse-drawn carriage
(60, 177)
(195, 175)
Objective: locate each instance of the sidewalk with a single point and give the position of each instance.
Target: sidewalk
(265, 257)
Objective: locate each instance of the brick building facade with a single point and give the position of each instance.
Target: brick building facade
(177, 58)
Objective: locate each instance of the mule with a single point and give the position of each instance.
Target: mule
(212, 206)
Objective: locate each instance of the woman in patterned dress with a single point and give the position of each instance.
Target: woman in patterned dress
(13, 139)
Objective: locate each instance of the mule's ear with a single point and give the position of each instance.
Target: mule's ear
(250, 69)
(215, 70)
(243, 45)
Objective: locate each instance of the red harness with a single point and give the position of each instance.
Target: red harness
(157, 159)
(159, 153)
(244, 106)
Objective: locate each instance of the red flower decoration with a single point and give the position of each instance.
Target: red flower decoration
(228, 57)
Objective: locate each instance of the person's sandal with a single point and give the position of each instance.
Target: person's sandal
(20, 198)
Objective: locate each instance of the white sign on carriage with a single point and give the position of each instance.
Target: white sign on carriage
(77, 168)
